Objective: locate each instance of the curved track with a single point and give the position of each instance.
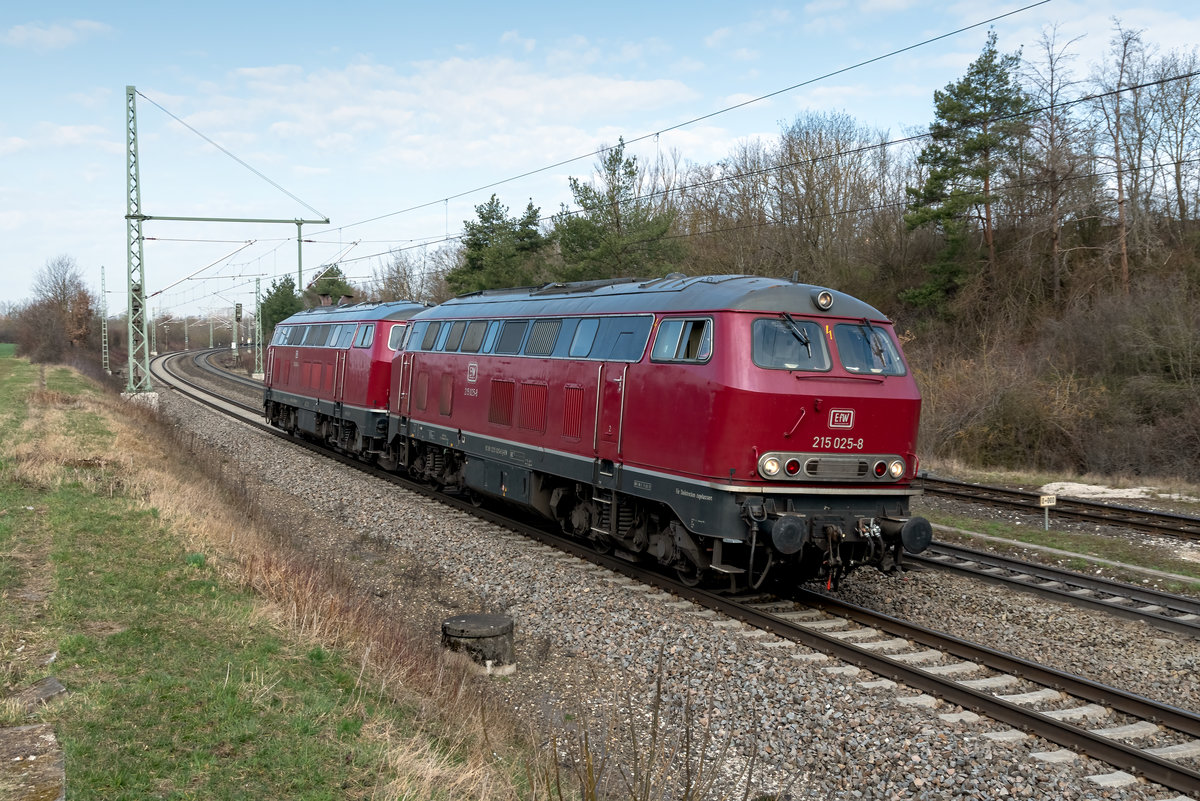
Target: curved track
(1069, 710)
(1178, 525)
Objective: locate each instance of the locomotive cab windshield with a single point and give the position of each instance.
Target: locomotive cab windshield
(863, 348)
(785, 343)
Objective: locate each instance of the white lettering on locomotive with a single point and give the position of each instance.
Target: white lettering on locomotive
(841, 418)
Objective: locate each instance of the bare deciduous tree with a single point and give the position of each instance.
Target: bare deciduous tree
(1112, 83)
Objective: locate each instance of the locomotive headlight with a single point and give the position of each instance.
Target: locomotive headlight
(822, 299)
(770, 466)
(896, 468)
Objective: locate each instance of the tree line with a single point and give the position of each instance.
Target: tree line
(1037, 238)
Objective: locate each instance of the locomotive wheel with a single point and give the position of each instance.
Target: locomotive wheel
(688, 572)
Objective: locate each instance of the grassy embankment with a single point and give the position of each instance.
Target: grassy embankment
(195, 670)
(203, 662)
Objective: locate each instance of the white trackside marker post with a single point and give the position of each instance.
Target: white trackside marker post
(1046, 501)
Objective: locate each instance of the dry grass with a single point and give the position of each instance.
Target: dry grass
(1163, 486)
(461, 746)
(459, 742)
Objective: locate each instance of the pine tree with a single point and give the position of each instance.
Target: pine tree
(500, 251)
(978, 130)
(279, 303)
(618, 232)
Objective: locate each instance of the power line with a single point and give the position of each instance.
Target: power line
(817, 159)
(599, 151)
(235, 158)
(694, 120)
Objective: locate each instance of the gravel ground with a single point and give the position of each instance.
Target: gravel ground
(590, 647)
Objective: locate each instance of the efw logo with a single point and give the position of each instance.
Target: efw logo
(841, 418)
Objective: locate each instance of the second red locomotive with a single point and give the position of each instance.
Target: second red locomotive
(328, 373)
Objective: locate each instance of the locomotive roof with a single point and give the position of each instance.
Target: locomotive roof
(674, 293)
(356, 312)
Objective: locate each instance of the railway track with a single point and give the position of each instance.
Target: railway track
(1133, 734)
(204, 361)
(1177, 525)
(1161, 609)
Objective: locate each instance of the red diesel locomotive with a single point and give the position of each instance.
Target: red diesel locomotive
(725, 425)
(328, 373)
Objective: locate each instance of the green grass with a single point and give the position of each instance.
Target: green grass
(178, 688)
(16, 380)
(1114, 549)
(170, 672)
(7, 350)
(69, 382)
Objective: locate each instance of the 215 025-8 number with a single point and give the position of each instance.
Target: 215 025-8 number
(838, 443)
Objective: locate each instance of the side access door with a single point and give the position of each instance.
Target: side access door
(610, 417)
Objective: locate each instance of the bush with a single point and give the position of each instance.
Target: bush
(997, 412)
(1110, 387)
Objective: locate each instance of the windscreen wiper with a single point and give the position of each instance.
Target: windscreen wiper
(876, 347)
(798, 332)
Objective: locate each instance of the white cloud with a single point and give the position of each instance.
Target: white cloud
(573, 53)
(718, 37)
(39, 36)
(512, 37)
(821, 7)
(688, 64)
(496, 113)
(303, 169)
(889, 6)
(12, 144)
(96, 98)
(75, 135)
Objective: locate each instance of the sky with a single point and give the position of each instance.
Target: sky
(395, 120)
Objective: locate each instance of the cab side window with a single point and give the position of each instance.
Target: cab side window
(585, 335)
(681, 340)
(454, 338)
(511, 336)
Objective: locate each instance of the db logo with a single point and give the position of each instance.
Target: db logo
(841, 418)
(472, 372)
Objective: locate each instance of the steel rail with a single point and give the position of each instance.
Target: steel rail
(1161, 609)
(1163, 771)
(1180, 525)
(203, 360)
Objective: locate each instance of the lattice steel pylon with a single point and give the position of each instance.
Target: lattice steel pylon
(258, 330)
(139, 355)
(104, 324)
